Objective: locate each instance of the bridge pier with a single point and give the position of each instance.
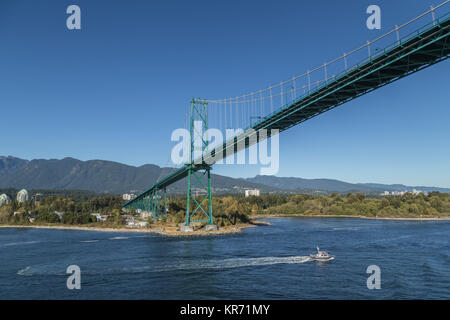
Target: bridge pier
(186, 229)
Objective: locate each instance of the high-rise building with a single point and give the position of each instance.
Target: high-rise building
(128, 196)
(4, 199)
(22, 196)
(252, 192)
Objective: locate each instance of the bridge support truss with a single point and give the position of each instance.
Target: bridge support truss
(158, 203)
(154, 202)
(198, 200)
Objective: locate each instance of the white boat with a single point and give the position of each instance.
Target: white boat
(321, 255)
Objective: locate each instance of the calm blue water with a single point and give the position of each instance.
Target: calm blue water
(261, 263)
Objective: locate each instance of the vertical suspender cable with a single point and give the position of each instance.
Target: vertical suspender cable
(261, 104)
(271, 101)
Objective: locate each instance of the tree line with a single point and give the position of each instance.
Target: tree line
(230, 210)
(68, 210)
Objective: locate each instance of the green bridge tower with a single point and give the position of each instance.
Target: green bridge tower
(198, 207)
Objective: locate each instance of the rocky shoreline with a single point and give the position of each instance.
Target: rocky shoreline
(171, 231)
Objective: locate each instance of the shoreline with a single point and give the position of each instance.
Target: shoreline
(168, 231)
(268, 216)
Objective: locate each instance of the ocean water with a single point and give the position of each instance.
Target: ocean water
(268, 262)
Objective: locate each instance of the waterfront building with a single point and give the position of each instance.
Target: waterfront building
(132, 222)
(100, 217)
(144, 214)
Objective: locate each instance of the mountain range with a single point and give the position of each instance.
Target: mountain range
(112, 177)
(100, 176)
(331, 185)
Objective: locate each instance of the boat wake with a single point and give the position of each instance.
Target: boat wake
(242, 262)
(59, 269)
(18, 243)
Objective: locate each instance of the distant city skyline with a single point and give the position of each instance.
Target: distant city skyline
(117, 88)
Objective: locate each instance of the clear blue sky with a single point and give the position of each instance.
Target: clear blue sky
(116, 89)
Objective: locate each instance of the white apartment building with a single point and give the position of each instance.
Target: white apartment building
(252, 192)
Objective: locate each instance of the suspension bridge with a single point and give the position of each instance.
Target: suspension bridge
(408, 48)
